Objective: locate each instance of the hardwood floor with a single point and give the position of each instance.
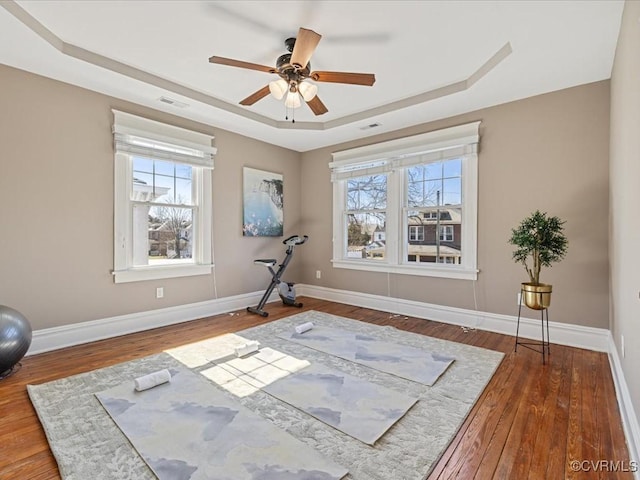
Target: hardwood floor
(532, 421)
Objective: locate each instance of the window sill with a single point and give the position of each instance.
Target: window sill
(455, 272)
(140, 274)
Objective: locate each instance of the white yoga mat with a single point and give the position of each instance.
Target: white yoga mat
(350, 404)
(189, 429)
(403, 361)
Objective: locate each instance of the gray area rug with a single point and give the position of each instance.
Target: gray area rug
(417, 364)
(87, 443)
(189, 429)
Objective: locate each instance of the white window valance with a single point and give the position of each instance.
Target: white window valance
(381, 158)
(148, 138)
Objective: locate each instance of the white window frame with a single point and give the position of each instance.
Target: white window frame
(392, 158)
(136, 135)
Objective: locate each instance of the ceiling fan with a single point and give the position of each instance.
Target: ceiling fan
(294, 70)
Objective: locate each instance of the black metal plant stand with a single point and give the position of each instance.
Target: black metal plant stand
(535, 346)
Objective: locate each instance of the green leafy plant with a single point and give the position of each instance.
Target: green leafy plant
(540, 241)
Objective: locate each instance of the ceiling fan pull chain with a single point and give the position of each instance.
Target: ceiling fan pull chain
(293, 114)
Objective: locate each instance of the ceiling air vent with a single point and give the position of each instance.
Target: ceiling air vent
(175, 103)
(371, 125)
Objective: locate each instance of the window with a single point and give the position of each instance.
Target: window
(409, 205)
(162, 200)
(416, 233)
(446, 233)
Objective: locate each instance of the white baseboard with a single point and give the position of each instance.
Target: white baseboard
(561, 333)
(627, 412)
(48, 339)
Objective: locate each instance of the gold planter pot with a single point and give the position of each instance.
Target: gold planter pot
(536, 296)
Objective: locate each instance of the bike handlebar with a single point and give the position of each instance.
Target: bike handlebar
(295, 240)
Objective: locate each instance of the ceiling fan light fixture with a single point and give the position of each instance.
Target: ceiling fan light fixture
(278, 88)
(307, 90)
(294, 70)
(292, 100)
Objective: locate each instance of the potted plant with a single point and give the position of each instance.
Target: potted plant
(539, 241)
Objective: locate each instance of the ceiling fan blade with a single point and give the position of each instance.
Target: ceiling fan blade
(367, 79)
(316, 106)
(238, 63)
(254, 97)
(306, 43)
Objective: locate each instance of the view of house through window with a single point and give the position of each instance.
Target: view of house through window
(161, 196)
(432, 228)
(408, 205)
(433, 212)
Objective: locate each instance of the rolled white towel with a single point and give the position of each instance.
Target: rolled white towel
(247, 348)
(305, 327)
(152, 380)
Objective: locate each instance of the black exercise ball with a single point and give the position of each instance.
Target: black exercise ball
(15, 338)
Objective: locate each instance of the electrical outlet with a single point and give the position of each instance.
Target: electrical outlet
(622, 344)
(318, 274)
(519, 298)
(159, 292)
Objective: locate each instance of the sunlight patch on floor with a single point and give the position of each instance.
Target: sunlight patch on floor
(242, 376)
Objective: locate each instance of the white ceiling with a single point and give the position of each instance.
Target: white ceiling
(432, 59)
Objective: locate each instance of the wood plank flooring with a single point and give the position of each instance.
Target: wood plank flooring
(532, 421)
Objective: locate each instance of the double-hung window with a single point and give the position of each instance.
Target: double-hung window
(162, 200)
(409, 205)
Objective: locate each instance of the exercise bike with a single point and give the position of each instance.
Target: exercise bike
(285, 289)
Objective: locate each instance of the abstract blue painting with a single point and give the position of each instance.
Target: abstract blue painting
(263, 203)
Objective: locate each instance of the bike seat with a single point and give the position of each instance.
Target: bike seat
(265, 262)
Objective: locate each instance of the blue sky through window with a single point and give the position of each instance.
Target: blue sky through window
(435, 184)
(173, 178)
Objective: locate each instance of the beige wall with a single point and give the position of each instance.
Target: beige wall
(56, 207)
(56, 196)
(548, 152)
(625, 197)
